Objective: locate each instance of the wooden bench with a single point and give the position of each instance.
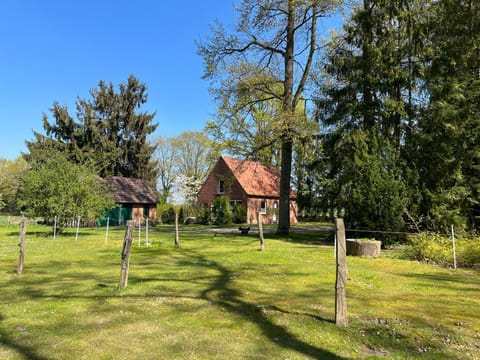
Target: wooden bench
(244, 230)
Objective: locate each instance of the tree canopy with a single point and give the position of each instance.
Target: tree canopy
(267, 60)
(399, 89)
(109, 133)
(59, 188)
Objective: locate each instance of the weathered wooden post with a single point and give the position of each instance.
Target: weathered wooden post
(106, 234)
(78, 226)
(147, 242)
(127, 246)
(177, 244)
(260, 231)
(21, 244)
(341, 278)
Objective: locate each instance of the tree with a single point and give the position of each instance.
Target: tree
(449, 139)
(11, 171)
(165, 157)
(58, 187)
(109, 135)
(274, 47)
(371, 100)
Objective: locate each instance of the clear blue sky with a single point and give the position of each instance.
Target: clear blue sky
(57, 50)
(60, 49)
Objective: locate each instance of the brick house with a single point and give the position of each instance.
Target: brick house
(134, 199)
(253, 185)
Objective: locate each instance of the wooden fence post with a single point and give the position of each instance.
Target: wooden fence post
(341, 277)
(260, 231)
(127, 246)
(21, 244)
(177, 244)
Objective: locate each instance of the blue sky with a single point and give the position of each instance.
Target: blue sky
(57, 50)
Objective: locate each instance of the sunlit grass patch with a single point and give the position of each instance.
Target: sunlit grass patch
(218, 297)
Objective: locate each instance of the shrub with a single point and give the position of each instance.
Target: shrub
(204, 217)
(220, 211)
(239, 214)
(438, 250)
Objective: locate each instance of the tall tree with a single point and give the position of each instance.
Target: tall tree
(165, 157)
(371, 90)
(450, 131)
(278, 41)
(109, 134)
(195, 156)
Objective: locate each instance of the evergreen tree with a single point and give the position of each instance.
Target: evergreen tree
(110, 133)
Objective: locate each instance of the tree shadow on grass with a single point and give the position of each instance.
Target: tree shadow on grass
(222, 294)
(9, 342)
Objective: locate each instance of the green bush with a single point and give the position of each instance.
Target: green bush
(221, 211)
(438, 250)
(204, 217)
(239, 214)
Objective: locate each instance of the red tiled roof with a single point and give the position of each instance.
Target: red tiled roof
(255, 178)
(131, 191)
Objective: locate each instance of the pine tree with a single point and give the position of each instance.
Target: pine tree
(109, 134)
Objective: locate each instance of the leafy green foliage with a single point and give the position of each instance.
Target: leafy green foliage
(110, 134)
(438, 250)
(11, 172)
(58, 187)
(204, 216)
(220, 212)
(239, 214)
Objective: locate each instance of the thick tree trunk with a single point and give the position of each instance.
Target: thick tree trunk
(288, 111)
(285, 174)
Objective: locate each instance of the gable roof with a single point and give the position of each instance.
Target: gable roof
(255, 178)
(131, 191)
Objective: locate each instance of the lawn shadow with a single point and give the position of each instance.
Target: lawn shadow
(222, 294)
(8, 341)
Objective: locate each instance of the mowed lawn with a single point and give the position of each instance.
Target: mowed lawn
(218, 297)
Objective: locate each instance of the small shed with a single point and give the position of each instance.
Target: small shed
(134, 198)
(250, 184)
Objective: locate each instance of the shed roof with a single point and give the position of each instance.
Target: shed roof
(131, 191)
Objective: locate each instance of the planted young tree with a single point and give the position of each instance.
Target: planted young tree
(58, 187)
(273, 47)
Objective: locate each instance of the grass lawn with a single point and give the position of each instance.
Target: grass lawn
(217, 297)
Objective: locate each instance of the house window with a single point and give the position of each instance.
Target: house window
(221, 186)
(263, 206)
(234, 203)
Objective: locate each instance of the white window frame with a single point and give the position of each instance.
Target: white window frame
(263, 209)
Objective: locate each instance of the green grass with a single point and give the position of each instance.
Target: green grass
(217, 297)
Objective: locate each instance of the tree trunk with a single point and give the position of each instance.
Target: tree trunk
(177, 244)
(285, 174)
(288, 111)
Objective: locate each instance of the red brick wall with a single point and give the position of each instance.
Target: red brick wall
(209, 190)
(234, 191)
(271, 217)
